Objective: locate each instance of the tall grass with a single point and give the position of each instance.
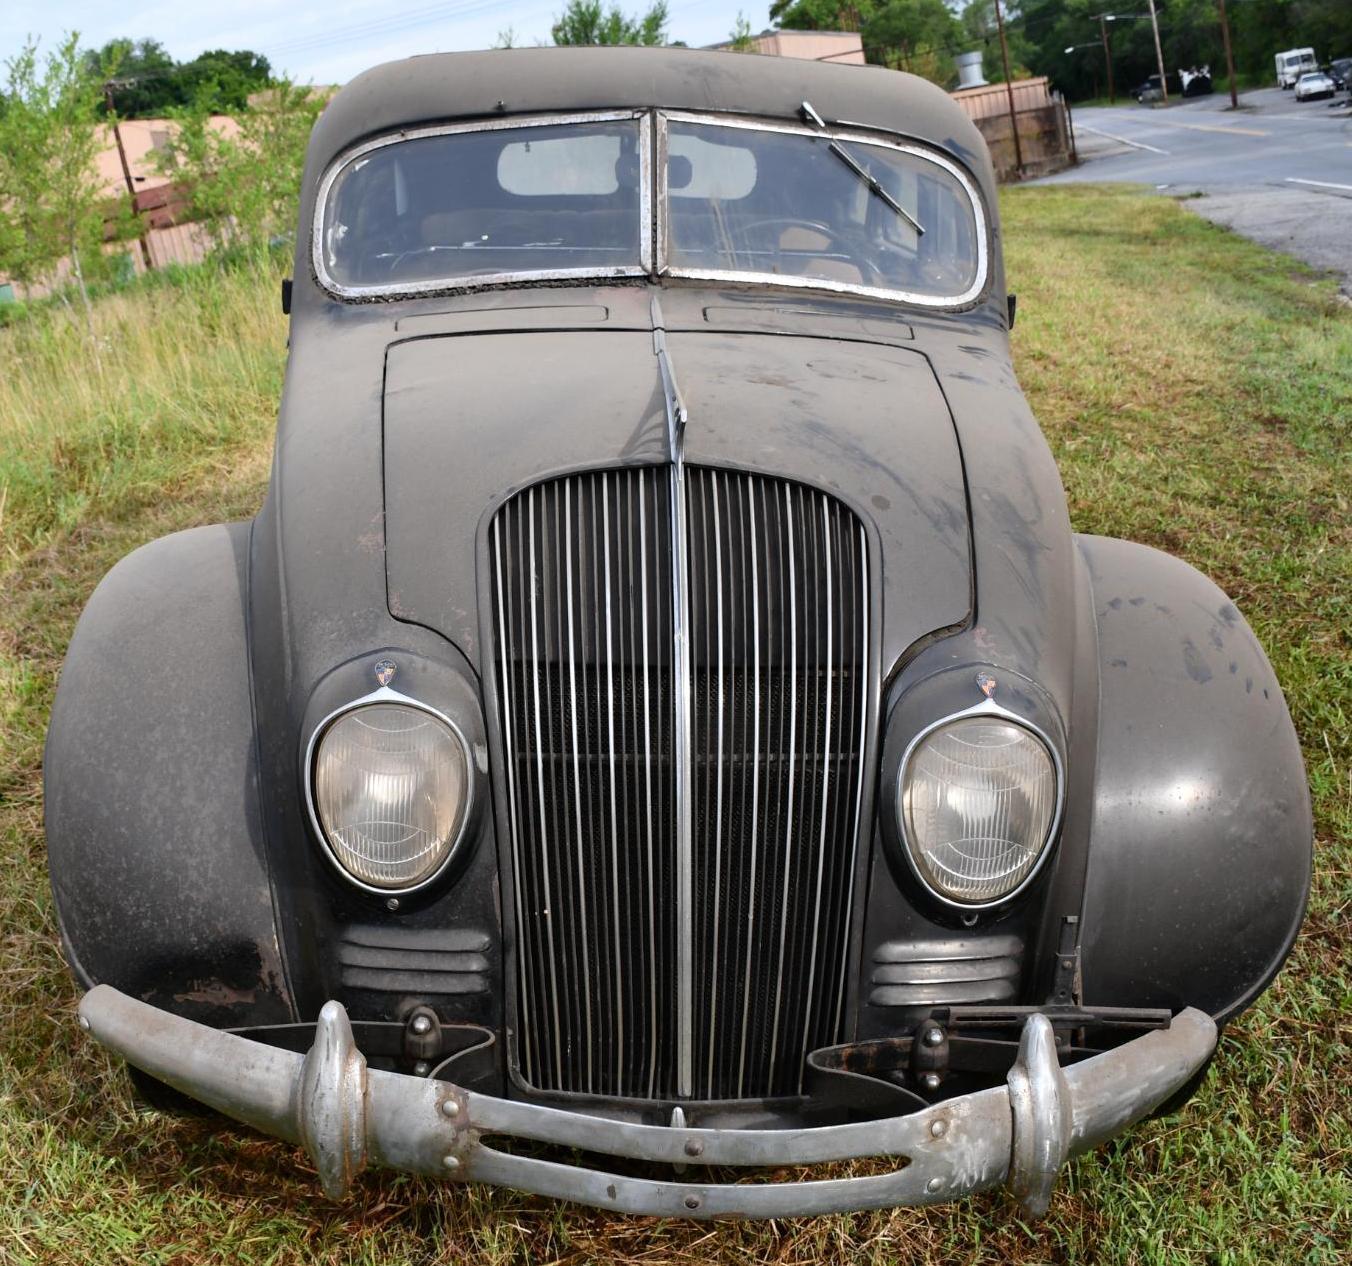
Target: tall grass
(178, 377)
(1197, 392)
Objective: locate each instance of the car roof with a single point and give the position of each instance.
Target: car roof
(446, 87)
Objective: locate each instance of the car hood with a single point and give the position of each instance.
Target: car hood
(470, 419)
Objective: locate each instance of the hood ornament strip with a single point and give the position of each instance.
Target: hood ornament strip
(681, 690)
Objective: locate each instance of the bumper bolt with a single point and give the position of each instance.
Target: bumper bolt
(692, 1202)
(934, 1037)
(939, 1128)
(452, 1163)
(694, 1147)
(930, 1081)
(84, 1024)
(420, 1024)
(934, 1184)
(449, 1108)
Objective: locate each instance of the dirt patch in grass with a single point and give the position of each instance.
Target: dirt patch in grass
(1197, 396)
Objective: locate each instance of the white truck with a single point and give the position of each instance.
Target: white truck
(1294, 63)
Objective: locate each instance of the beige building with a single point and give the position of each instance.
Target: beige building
(846, 47)
(157, 200)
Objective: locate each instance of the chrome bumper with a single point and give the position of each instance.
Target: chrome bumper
(347, 1115)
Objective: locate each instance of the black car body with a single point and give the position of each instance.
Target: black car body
(661, 707)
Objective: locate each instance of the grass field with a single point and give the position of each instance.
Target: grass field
(1197, 391)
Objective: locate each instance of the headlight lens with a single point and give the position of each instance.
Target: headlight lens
(391, 789)
(978, 796)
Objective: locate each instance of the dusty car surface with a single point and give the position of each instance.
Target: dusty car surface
(661, 711)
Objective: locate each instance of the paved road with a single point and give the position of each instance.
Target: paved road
(1277, 170)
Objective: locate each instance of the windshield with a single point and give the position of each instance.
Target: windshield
(750, 201)
(473, 206)
(739, 201)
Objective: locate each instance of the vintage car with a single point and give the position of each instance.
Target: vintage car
(661, 726)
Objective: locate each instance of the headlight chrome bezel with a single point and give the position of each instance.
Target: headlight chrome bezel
(987, 709)
(385, 695)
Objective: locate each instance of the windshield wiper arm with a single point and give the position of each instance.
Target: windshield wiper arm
(874, 185)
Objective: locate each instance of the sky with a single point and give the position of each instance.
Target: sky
(318, 42)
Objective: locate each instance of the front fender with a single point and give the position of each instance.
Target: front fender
(154, 837)
(1199, 867)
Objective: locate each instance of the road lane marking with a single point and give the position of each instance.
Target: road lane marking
(1121, 140)
(1321, 184)
(1210, 127)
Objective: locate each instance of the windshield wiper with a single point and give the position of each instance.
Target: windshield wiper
(874, 186)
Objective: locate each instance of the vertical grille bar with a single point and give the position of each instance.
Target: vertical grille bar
(587, 605)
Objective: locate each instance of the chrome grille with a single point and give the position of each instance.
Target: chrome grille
(585, 603)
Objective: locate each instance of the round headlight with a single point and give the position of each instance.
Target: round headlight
(391, 791)
(978, 799)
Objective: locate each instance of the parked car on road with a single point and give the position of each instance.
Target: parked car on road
(1148, 92)
(661, 708)
(1340, 71)
(1314, 86)
(1196, 81)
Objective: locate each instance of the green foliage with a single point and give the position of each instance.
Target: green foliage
(148, 83)
(243, 187)
(586, 22)
(740, 37)
(1190, 35)
(981, 33)
(916, 35)
(51, 204)
(920, 36)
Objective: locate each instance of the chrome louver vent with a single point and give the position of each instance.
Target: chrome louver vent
(656, 960)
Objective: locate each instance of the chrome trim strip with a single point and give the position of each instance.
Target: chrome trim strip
(477, 282)
(987, 707)
(830, 663)
(865, 696)
(509, 743)
(755, 785)
(791, 760)
(385, 695)
(742, 277)
(540, 787)
(617, 925)
(577, 755)
(648, 784)
(714, 483)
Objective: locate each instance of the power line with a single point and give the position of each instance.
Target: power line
(395, 24)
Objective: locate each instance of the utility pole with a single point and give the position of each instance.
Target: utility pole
(1229, 58)
(1107, 56)
(1009, 90)
(1159, 55)
(126, 174)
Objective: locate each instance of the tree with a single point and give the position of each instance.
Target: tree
(916, 35)
(148, 83)
(243, 186)
(223, 79)
(146, 76)
(585, 22)
(740, 38)
(51, 202)
(981, 33)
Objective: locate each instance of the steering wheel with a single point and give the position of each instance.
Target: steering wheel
(782, 222)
